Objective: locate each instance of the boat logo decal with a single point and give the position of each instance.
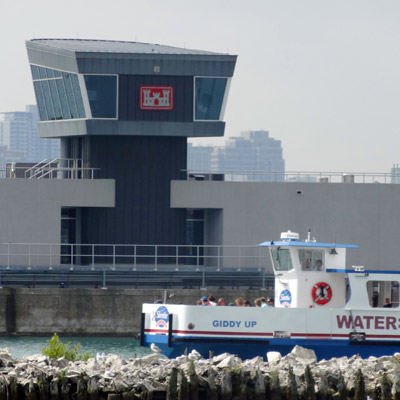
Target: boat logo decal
(285, 298)
(161, 316)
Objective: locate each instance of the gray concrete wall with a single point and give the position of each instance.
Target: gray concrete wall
(30, 209)
(367, 215)
(89, 311)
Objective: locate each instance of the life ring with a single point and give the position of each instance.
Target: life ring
(321, 293)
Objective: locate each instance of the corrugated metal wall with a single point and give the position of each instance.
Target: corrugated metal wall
(129, 98)
(143, 168)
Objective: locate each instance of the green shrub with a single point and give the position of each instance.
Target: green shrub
(56, 349)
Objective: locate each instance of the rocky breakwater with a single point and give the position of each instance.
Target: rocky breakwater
(295, 376)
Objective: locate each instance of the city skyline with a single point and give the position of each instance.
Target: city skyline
(322, 76)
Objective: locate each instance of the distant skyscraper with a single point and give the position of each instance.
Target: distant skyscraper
(252, 151)
(19, 134)
(395, 173)
(199, 157)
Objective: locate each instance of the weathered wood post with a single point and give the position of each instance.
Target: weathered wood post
(212, 392)
(292, 386)
(360, 393)
(81, 389)
(53, 390)
(309, 393)
(31, 391)
(342, 389)
(172, 393)
(183, 393)
(275, 386)
(193, 382)
(226, 384)
(93, 389)
(259, 385)
(386, 386)
(323, 388)
(3, 388)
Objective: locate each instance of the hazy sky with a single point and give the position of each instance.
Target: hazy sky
(322, 76)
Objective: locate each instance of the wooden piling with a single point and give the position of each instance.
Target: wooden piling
(309, 392)
(183, 391)
(212, 392)
(226, 384)
(259, 386)
(93, 389)
(172, 393)
(323, 388)
(386, 388)
(292, 386)
(275, 386)
(360, 392)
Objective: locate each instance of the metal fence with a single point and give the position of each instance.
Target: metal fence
(133, 257)
(294, 176)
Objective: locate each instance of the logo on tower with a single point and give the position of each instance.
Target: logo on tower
(156, 98)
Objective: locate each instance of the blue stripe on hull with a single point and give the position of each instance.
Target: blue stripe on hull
(245, 349)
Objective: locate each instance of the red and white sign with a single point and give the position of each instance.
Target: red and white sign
(156, 98)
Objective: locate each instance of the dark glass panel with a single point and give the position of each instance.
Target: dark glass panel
(63, 98)
(209, 94)
(50, 73)
(57, 73)
(40, 101)
(70, 94)
(35, 72)
(56, 99)
(102, 94)
(42, 73)
(47, 100)
(78, 95)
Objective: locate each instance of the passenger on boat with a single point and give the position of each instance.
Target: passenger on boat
(247, 303)
(263, 302)
(212, 300)
(221, 301)
(317, 265)
(199, 302)
(239, 302)
(270, 302)
(205, 301)
(257, 302)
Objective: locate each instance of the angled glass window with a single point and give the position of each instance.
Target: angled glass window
(102, 95)
(35, 72)
(48, 100)
(209, 96)
(70, 94)
(78, 96)
(42, 73)
(63, 99)
(58, 94)
(56, 99)
(40, 100)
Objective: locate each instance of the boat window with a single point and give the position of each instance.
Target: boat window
(312, 260)
(281, 259)
(383, 294)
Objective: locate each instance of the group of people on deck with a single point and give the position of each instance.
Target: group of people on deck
(239, 302)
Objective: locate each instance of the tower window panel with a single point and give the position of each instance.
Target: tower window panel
(40, 101)
(57, 73)
(209, 95)
(42, 73)
(102, 94)
(50, 73)
(35, 72)
(47, 100)
(78, 96)
(56, 99)
(70, 94)
(63, 99)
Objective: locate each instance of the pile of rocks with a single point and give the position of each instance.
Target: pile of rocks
(297, 375)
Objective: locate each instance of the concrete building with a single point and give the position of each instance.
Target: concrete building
(124, 112)
(20, 135)
(253, 151)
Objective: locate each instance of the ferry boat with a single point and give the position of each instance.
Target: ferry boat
(319, 304)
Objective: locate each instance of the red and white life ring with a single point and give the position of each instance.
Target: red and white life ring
(321, 293)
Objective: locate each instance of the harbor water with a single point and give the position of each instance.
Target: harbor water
(124, 347)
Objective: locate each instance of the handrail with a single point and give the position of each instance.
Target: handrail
(51, 255)
(293, 176)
